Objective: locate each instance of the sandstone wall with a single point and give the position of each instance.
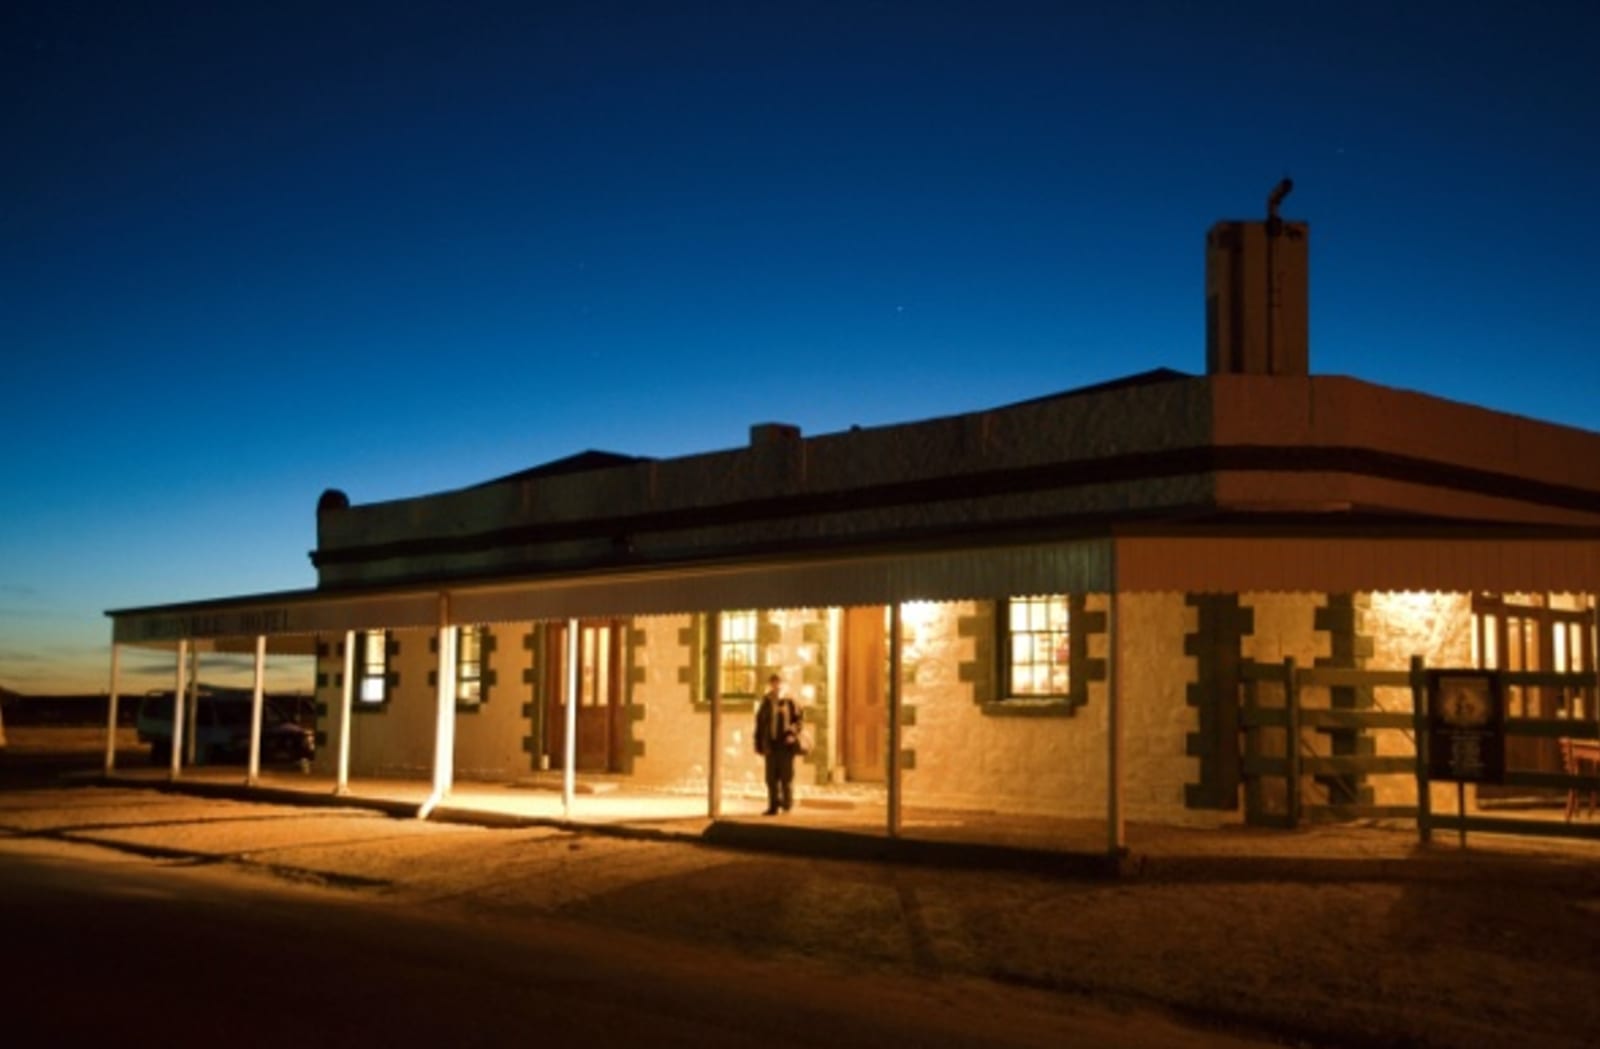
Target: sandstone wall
(1437, 627)
(1157, 718)
(389, 739)
(492, 738)
(396, 738)
(968, 754)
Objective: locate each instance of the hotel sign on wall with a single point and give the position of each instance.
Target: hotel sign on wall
(230, 623)
(311, 615)
(1466, 726)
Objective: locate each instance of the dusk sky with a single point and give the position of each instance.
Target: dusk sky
(252, 251)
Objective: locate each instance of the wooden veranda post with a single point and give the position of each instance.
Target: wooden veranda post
(1593, 710)
(893, 756)
(192, 724)
(1291, 742)
(1116, 824)
(1419, 710)
(714, 758)
(569, 744)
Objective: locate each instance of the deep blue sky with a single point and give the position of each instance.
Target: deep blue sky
(251, 251)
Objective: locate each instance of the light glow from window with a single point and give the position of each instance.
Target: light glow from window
(469, 665)
(737, 660)
(373, 669)
(1039, 656)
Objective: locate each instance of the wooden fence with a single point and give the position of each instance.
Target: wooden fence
(1281, 753)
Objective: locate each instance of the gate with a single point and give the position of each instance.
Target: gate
(1309, 762)
(1287, 742)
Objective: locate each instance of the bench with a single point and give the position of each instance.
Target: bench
(1581, 757)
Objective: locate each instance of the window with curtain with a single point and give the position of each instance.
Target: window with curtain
(372, 666)
(735, 658)
(469, 666)
(1035, 649)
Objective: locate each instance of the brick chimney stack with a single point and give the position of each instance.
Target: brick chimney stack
(1257, 282)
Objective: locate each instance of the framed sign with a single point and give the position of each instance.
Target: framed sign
(1466, 726)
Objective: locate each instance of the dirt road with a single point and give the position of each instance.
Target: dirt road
(1497, 944)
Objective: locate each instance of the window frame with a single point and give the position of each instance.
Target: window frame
(715, 642)
(1058, 644)
(1536, 627)
(748, 643)
(995, 696)
(472, 672)
(367, 671)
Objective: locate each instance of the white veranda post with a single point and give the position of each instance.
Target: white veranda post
(444, 730)
(111, 712)
(191, 735)
(257, 702)
(175, 744)
(714, 758)
(341, 783)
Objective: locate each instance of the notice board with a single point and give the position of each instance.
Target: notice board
(1466, 726)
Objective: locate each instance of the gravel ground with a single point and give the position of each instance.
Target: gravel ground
(1435, 947)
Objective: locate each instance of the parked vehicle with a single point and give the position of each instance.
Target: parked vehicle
(222, 728)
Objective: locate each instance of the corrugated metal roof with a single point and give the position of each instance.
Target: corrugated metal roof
(1190, 563)
(1343, 564)
(1082, 566)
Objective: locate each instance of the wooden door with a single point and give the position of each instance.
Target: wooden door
(863, 715)
(600, 706)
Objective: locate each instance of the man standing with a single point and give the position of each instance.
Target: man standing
(777, 740)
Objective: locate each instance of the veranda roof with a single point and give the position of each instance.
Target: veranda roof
(1235, 562)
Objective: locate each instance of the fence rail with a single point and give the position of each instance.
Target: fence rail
(1297, 762)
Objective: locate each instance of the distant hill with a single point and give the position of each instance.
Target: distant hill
(90, 708)
(87, 709)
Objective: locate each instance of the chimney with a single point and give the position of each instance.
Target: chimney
(782, 434)
(778, 450)
(1257, 316)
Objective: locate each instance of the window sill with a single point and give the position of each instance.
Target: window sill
(1031, 708)
(737, 706)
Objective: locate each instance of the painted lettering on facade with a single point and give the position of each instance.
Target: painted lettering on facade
(244, 623)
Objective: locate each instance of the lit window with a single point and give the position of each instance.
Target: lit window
(735, 656)
(1529, 632)
(372, 666)
(594, 672)
(469, 665)
(1037, 655)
